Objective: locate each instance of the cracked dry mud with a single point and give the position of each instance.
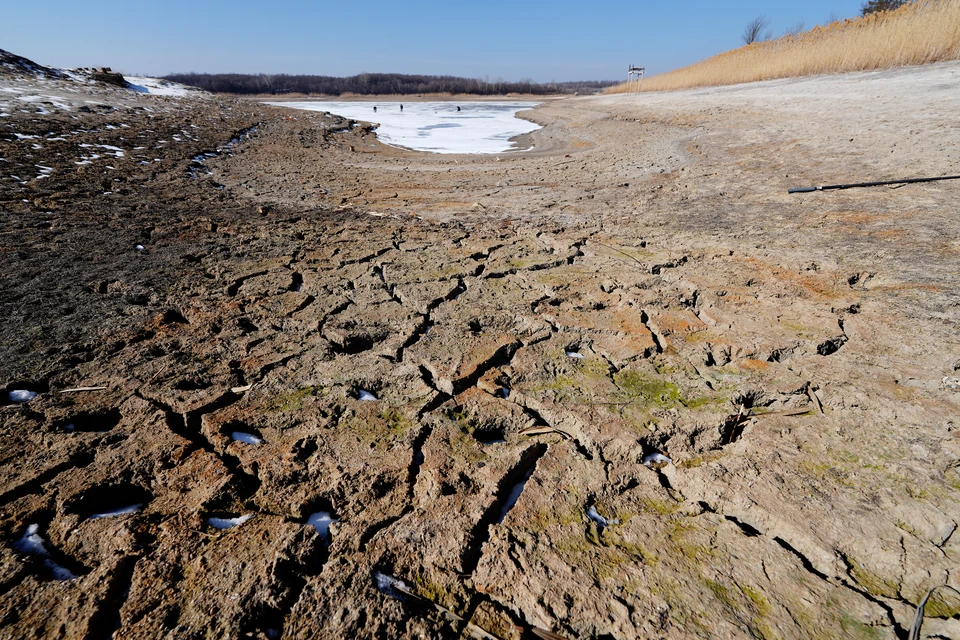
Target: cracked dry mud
(786, 352)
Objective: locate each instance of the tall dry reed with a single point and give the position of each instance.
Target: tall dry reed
(916, 33)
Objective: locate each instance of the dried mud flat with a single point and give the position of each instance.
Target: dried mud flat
(794, 356)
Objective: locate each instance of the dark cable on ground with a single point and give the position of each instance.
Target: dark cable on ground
(918, 620)
(869, 184)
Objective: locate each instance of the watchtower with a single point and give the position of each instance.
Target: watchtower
(635, 73)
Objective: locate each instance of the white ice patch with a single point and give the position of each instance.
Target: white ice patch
(575, 355)
(21, 395)
(32, 544)
(122, 511)
(656, 458)
(228, 523)
(515, 494)
(479, 127)
(505, 392)
(599, 519)
(321, 521)
(390, 585)
(366, 396)
(246, 438)
(158, 87)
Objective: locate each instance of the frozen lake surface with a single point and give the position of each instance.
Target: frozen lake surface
(479, 127)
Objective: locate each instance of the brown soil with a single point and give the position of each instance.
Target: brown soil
(794, 355)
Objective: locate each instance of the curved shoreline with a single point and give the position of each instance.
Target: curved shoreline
(431, 127)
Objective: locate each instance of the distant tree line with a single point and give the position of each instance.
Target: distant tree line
(375, 83)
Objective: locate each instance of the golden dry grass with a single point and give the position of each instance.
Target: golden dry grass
(916, 33)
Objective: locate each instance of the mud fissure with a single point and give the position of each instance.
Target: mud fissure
(509, 490)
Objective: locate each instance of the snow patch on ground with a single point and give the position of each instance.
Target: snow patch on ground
(117, 151)
(158, 87)
(479, 127)
(33, 544)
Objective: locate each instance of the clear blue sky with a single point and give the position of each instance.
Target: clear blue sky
(542, 40)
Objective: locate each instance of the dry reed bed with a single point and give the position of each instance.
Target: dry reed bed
(916, 33)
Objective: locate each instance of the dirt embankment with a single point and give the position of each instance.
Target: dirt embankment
(534, 327)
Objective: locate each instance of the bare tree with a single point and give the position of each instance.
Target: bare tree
(796, 29)
(754, 30)
(874, 6)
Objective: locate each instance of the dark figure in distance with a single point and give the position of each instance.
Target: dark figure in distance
(458, 109)
(374, 109)
(401, 108)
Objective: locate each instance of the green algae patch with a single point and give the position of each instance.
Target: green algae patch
(851, 627)
(395, 422)
(943, 604)
(291, 400)
(657, 507)
(463, 446)
(874, 584)
(698, 461)
(434, 592)
(651, 390)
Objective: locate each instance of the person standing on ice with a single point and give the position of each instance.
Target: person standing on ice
(374, 109)
(401, 108)
(458, 109)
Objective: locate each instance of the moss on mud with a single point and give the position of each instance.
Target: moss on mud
(290, 400)
(652, 390)
(875, 584)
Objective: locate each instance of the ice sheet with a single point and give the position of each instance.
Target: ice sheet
(321, 521)
(134, 508)
(228, 523)
(479, 127)
(21, 395)
(246, 438)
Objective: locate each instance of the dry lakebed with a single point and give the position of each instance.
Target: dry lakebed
(264, 376)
